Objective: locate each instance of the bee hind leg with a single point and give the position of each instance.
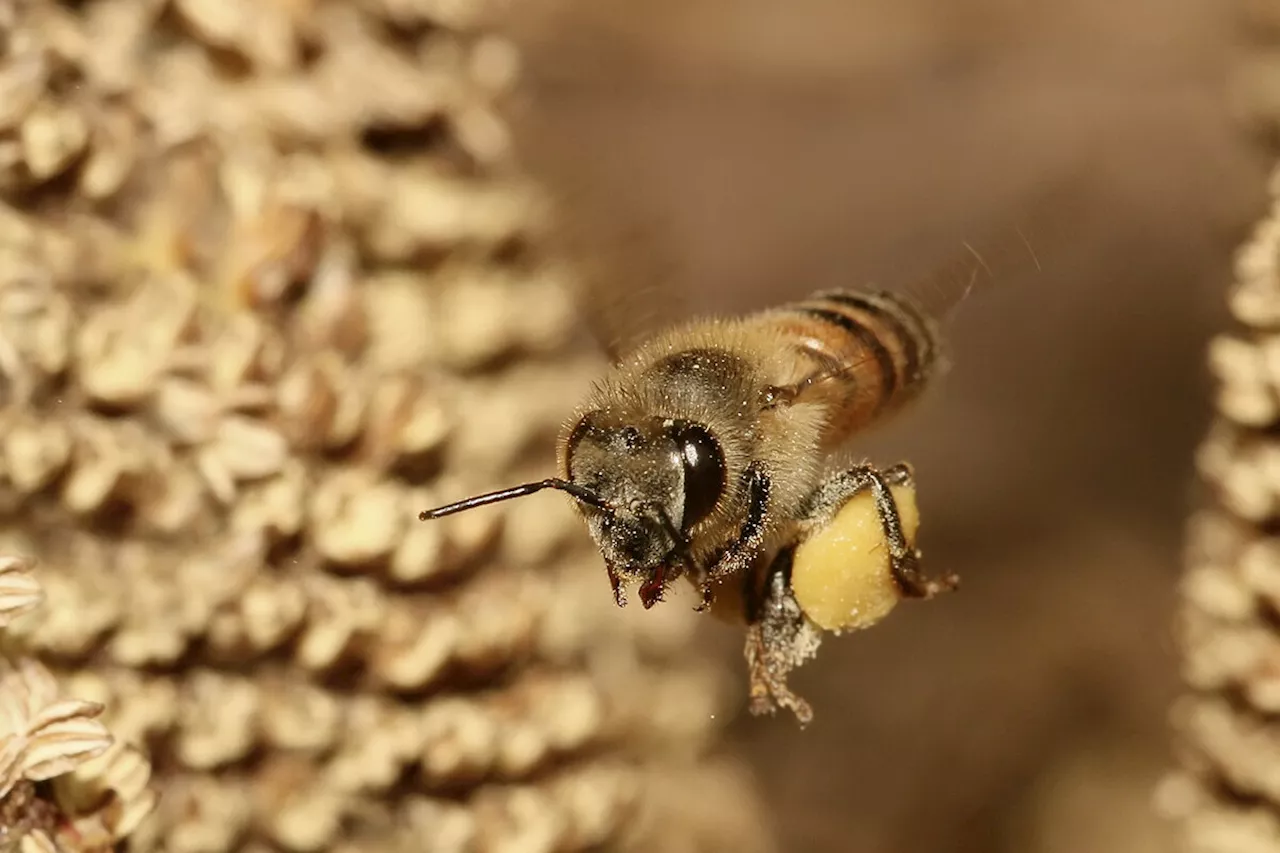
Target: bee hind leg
(779, 639)
(904, 560)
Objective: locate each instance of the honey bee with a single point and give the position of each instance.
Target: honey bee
(708, 452)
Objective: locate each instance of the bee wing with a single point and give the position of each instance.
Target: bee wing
(1012, 255)
(624, 275)
(620, 260)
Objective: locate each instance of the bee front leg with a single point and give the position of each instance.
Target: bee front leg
(739, 557)
(904, 561)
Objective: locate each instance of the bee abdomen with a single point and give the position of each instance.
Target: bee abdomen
(873, 351)
(902, 330)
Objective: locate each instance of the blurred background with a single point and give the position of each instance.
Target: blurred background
(751, 151)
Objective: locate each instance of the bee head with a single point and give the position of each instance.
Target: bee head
(656, 478)
(642, 485)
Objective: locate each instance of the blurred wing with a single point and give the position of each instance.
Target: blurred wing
(624, 276)
(1013, 255)
(619, 257)
(1015, 252)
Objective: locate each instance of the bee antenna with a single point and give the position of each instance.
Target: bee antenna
(579, 493)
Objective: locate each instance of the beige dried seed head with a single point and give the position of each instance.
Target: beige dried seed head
(414, 646)
(263, 33)
(249, 449)
(80, 608)
(272, 253)
(304, 816)
(109, 795)
(1220, 594)
(217, 720)
(420, 555)
(331, 314)
(1253, 297)
(342, 616)
(188, 411)
(35, 320)
(240, 352)
(141, 707)
(12, 746)
(354, 519)
(276, 507)
(22, 83)
(52, 136)
(399, 314)
(112, 156)
(263, 617)
(20, 592)
(35, 452)
(405, 422)
(112, 364)
(301, 717)
(202, 813)
(176, 501)
(55, 735)
(38, 841)
(1247, 390)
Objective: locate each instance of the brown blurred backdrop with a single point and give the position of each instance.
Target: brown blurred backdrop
(768, 148)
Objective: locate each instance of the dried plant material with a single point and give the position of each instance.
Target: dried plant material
(265, 313)
(99, 786)
(217, 720)
(35, 453)
(1226, 795)
(1247, 373)
(342, 615)
(300, 717)
(112, 155)
(52, 136)
(19, 591)
(46, 735)
(35, 324)
(1215, 827)
(120, 778)
(22, 83)
(81, 608)
(264, 33)
(304, 816)
(277, 250)
(354, 519)
(399, 311)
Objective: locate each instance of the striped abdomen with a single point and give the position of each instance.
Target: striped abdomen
(867, 354)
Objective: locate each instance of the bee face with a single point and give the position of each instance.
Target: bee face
(656, 478)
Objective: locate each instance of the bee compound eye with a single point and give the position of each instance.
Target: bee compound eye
(704, 473)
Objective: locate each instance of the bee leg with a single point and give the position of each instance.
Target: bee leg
(741, 553)
(708, 596)
(779, 639)
(904, 561)
(701, 579)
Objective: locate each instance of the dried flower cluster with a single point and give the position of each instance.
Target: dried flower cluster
(97, 788)
(1227, 795)
(268, 287)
